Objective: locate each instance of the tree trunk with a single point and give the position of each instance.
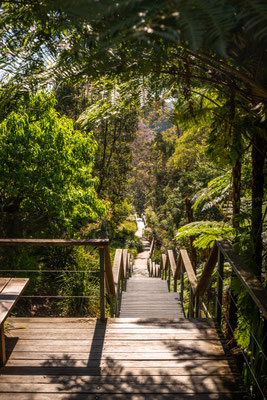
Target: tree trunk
(190, 218)
(258, 154)
(236, 176)
(236, 195)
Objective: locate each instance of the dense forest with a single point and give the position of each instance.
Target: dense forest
(111, 110)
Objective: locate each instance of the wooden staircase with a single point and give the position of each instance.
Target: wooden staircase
(150, 298)
(152, 351)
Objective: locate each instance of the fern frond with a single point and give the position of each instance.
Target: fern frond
(217, 191)
(206, 232)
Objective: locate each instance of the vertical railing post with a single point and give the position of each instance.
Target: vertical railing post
(197, 303)
(191, 303)
(182, 282)
(166, 272)
(102, 283)
(2, 346)
(219, 290)
(175, 285)
(117, 301)
(169, 277)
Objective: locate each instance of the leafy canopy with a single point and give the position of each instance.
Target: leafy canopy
(47, 169)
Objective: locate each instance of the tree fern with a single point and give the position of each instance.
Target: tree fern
(215, 194)
(206, 232)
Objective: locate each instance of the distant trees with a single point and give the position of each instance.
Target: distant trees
(46, 184)
(197, 51)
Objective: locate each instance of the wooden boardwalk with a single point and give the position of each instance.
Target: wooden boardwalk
(147, 297)
(150, 352)
(122, 358)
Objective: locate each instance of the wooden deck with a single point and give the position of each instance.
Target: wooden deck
(122, 358)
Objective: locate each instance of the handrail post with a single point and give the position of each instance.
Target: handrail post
(117, 305)
(102, 283)
(182, 281)
(191, 304)
(169, 277)
(196, 307)
(219, 290)
(175, 285)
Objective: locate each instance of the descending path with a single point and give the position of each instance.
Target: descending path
(141, 358)
(137, 359)
(148, 297)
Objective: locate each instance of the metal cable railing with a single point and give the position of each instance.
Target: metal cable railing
(213, 306)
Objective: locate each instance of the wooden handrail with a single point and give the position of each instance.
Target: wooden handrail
(254, 287)
(125, 262)
(109, 274)
(207, 272)
(149, 266)
(109, 277)
(172, 262)
(121, 268)
(54, 242)
(189, 269)
(163, 262)
(117, 269)
(245, 275)
(151, 247)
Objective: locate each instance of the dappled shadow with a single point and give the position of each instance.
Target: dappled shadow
(113, 367)
(10, 345)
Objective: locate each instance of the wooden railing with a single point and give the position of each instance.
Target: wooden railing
(174, 270)
(112, 279)
(222, 251)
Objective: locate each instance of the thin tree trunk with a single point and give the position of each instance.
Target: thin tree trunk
(236, 176)
(190, 218)
(236, 199)
(258, 154)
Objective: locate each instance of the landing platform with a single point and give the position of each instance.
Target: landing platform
(121, 358)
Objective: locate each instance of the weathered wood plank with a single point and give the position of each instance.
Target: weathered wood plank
(27, 335)
(125, 262)
(172, 262)
(9, 296)
(117, 269)
(109, 273)
(111, 331)
(115, 370)
(189, 364)
(3, 283)
(118, 322)
(84, 345)
(189, 269)
(125, 396)
(54, 242)
(225, 384)
(207, 272)
(106, 363)
(107, 354)
(163, 262)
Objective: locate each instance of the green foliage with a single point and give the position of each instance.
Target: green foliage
(206, 232)
(46, 175)
(85, 284)
(215, 194)
(112, 117)
(47, 189)
(183, 157)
